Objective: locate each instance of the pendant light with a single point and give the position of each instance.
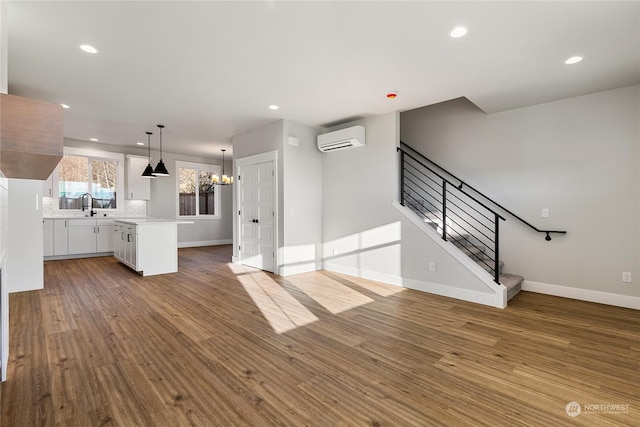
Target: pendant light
(226, 180)
(161, 169)
(148, 172)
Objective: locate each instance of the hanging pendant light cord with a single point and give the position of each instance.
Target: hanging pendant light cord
(149, 145)
(160, 142)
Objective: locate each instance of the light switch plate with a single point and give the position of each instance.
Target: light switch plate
(626, 277)
(545, 213)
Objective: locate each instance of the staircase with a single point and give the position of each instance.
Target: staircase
(459, 213)
(476, 251)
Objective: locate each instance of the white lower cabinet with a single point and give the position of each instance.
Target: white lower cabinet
(78, 236)
(47, 234)
(82, 236)
(126, 247)
(148, 246)
(104, 235)
(60, 237)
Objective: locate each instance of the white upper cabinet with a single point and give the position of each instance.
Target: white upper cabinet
(138, 188)
(47, 186)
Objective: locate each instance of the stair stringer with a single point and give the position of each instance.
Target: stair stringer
(499, 290)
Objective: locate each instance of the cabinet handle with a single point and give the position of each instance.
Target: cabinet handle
(122, 235)
(128, 237)
(65, 223)
(132, 195)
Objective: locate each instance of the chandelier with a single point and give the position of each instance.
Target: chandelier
(226, 180)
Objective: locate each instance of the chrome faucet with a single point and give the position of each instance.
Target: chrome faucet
(89, 206)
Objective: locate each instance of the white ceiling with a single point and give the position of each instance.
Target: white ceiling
(209, 70)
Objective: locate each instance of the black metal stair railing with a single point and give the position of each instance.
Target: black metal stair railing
(460, 216)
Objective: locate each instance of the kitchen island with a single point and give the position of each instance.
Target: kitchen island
(148, 246)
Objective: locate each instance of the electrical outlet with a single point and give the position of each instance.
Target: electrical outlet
(432, 266)
(626, 277)
(545, 213)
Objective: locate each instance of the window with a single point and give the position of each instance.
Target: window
(81, 171)
(197, 195)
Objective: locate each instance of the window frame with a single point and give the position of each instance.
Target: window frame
(91, 154)
(215, 169)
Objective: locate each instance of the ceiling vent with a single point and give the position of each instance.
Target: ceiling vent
(339, 140)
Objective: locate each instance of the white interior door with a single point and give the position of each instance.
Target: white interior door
(257, 215)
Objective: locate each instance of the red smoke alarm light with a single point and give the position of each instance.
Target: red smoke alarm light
(392, 95)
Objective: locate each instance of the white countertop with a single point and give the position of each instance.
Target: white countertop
(142, 221)
(114, 218)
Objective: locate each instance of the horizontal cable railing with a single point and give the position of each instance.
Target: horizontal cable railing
(459, 212)
(461, 184)
(455, 213)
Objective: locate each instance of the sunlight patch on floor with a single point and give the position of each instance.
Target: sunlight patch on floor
(282, 311)
(330, 294)
(381, 289)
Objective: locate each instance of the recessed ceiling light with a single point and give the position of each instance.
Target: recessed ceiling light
(458, 32)
(273, 107)
(88, 48)
(573, 60)
(93, 139)
(65, 106)
(140, 143)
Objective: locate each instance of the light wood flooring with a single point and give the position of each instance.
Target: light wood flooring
(224, 345)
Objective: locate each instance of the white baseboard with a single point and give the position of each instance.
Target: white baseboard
(489, 299)
(618, 300)
(205, 243)
(290, 270)
(389, 279)
(451, 292)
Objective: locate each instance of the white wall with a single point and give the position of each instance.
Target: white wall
(577, 157)
(24, 245)
(4, 292)
(299, 208)
(4, 49)
(164, 204)
(363, 235)
(261, 140)
(302, 200)
(4, 200)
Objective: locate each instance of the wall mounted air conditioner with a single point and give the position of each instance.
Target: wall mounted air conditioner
(339, 140)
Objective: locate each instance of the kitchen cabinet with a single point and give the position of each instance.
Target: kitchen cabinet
(118, 248)
(126, 245)
(149, 246)
(78, 236)
(47, 237)
(82, 236)
(105, 235)
(60, 237)
(138, 188)
(47, 187)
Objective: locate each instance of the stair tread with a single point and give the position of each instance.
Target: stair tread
(511, 280)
